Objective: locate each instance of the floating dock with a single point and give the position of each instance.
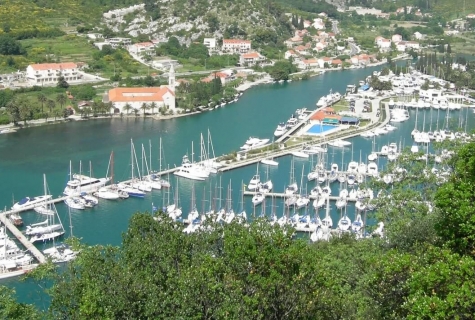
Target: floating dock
(284, 195)
(21, 237)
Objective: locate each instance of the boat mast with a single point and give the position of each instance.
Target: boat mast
(150, 153)
(132, 157)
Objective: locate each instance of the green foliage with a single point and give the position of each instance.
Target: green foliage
(11, 309)
(62, 83)
(9, 46)
(83, 92)
(281, 70)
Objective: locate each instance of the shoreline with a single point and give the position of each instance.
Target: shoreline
(11, 128)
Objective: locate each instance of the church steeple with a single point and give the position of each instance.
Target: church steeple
(171, 78)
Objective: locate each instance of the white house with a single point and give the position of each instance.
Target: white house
(384, 44)
(210, 43)
(396, 38)
(236, 45)
(307, 64)
(142, 48)
(412, 45)
(322, 61)
(250, 58)
(118, 42)
(318, 24)
(49, 73)
(401, 46)
(293, 41)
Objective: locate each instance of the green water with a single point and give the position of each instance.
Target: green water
(27, 154)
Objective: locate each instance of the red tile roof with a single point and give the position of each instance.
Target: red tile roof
(235, 41)
(54, 66)
(138, 94)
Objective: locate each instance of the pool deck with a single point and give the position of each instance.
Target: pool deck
(304, 130)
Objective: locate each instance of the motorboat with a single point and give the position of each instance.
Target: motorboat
(60, 253)
(258, 198)
(384, 150)
(373, 156)
(28, 202)
(339, 143)
(314, 149)
(131, 191)
(89, 200)
(187, 170)
(107, 193)
(82, 183)
(300, 154)
(367, 134)
(254, 183)
(280, 130)
(292, 122)
(265, 187)
(253, 143)
(269, 162)
(75, 203)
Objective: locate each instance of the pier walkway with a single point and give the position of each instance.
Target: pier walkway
(255, 156)
(284, 195)
(21, 237)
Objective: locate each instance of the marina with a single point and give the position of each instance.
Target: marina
(102, 223)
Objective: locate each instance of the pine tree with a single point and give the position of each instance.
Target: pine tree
(301, 24)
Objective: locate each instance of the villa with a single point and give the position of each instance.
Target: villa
(236, 45)
(49, 73)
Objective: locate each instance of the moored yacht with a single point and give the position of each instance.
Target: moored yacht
(280, 130)
(81, 183)
(30, 202)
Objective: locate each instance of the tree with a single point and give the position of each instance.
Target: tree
(83, 92)
(127, 108)
(61, 99)
(51, 104)
(9, 46)
(454, 201)
(136, 112)
(11, 309)
(13, 109)
(153, 105)
(144, 108)
(62, 83)
(42, 99)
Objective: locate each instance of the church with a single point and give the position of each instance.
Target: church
(163, 96)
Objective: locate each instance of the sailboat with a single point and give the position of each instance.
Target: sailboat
(358, 224)
(242, 215)
(174, 210)
(45, 208)
(60, 253)
(111, 192)
(327, 220)
(292, 188)
(193, 214)
(156, 185)
(131, 188)
(13, 261)
(302, 200)
(229, 213)
(267, 186)
(46, 230)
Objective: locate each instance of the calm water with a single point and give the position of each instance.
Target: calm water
(27, 154)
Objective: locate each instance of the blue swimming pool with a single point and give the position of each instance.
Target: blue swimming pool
(320, 128)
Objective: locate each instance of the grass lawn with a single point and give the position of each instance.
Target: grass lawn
(341, 105)
(66, 48)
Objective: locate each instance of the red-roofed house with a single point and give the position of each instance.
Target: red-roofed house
(290, 43)
(136, 97)
(250, 58)
(48, 73)
(142, 48)
(307, 64)
(301, 50)
(337, 63)
(290, 53)
(236, 45)
(224, 76)
(320, 46)
(322, 61)
(318, 24)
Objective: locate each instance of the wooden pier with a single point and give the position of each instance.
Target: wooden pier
(21, 237)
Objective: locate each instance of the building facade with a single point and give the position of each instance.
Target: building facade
(49, 73)
(159, 97)
(236, 46)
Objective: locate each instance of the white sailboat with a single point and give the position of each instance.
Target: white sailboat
(46, 230)
(44, 208)
(60, 253)
(111, 192)
(174, 210)
(292, 188)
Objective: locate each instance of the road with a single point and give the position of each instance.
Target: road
(354, 49)
(335, 27)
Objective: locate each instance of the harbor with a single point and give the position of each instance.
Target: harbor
(100, 224)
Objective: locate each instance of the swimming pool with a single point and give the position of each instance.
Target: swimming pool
(320, 128)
